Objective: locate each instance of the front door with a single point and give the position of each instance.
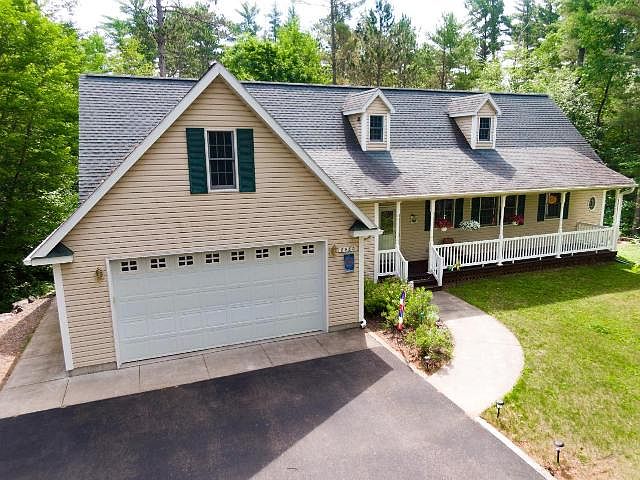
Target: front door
(387, 241)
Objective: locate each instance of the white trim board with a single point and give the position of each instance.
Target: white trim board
(216, 70)
(62, 317)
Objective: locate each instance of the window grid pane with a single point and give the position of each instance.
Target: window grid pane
(221, 159)
(553, 205)
(484, 132)
(376, 126)
(488, 210)
(445, 210)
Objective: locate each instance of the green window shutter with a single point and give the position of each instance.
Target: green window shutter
(475, 209)
(197, 159)
(521, 200)
(427, 215)
(246, 162)
(459, 209)
(565, 213)
(542, 205)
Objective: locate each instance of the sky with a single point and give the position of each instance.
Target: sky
(424, 14)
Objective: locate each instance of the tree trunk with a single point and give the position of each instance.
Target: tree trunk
(161, 39)
(581, 53)
(333, 41)
(605, 97)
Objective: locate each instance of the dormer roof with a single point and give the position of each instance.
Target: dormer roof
(471, 105)
(359, 102)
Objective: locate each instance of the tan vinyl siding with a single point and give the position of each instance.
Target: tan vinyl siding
(487, 110)
(150, 210)
(369, 210)
(356, 124)
(378, 107)
(465, 126)
(414, 240)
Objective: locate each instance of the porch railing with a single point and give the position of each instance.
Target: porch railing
(484, 252)
(436, 263)
(392, 262)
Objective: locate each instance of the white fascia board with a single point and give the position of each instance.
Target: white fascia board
(50, 260)
(367, 233)
(216, 70)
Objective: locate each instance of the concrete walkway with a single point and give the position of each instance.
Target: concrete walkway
(488, 359)
(39, 380)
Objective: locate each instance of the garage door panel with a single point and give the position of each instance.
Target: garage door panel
(173, 309)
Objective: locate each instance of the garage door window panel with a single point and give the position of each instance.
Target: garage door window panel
(212, 258)
(222, 161)
(129, 266)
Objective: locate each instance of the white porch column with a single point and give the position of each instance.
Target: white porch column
(604, 203)
(398, 226)
(617, 214)
(376, 258)
(503, 200)
(62, 317)
(559, 244)
(432, 221)
(361, 278)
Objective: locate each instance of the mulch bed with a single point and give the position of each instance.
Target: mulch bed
(396, 339)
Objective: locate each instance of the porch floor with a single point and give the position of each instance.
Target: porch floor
(418, 269)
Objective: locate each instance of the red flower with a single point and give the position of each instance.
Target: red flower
(443, 223)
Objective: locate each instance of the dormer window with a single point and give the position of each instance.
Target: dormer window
(484, 130)
(376, 128)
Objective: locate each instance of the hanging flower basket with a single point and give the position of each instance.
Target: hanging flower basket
(443, 224)
(470, 225)
(517, 220)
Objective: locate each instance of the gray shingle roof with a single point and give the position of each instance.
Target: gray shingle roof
(470, 103)
(537, 147)
(358, 101)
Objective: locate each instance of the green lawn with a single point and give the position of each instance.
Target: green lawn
(630, 251)
(580, 331)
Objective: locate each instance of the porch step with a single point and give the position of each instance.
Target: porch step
(472, 273)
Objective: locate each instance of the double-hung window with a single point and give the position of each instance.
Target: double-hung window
(376, 128)
(222, 160)
(445, 211)
(554, 203)
(484, 129)
(488, 211)
(513, 205)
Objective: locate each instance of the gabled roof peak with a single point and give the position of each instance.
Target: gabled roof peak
(471, 104)
(359, 102)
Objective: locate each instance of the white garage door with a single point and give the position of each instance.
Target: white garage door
(178, 303)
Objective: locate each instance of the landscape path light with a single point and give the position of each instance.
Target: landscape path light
(499, 405)
(559, 444)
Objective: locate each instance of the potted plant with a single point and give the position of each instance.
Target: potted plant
(443, 224)
(469, 225)
(517, 220)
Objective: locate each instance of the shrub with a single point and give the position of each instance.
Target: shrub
(435, 345)
(418, 309)
(377, 296)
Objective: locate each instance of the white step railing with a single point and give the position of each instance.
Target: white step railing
(436, 263)
(484, 252)
(392, 262)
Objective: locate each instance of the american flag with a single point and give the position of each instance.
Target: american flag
(403, 296)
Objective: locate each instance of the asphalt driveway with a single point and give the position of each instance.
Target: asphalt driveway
(355, 415)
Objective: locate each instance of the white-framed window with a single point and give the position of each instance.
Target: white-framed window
(185, 260)
(488, 211)
(286, 251)
(308, 249)
(376, 128)
(128, 265)
(512, 205)
(156, 263)
(237, 255)
(222, 159)
(554, 204)
(212, 257)
(484, 129)
(262, 253)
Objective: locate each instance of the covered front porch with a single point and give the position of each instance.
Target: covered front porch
(433, 233)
